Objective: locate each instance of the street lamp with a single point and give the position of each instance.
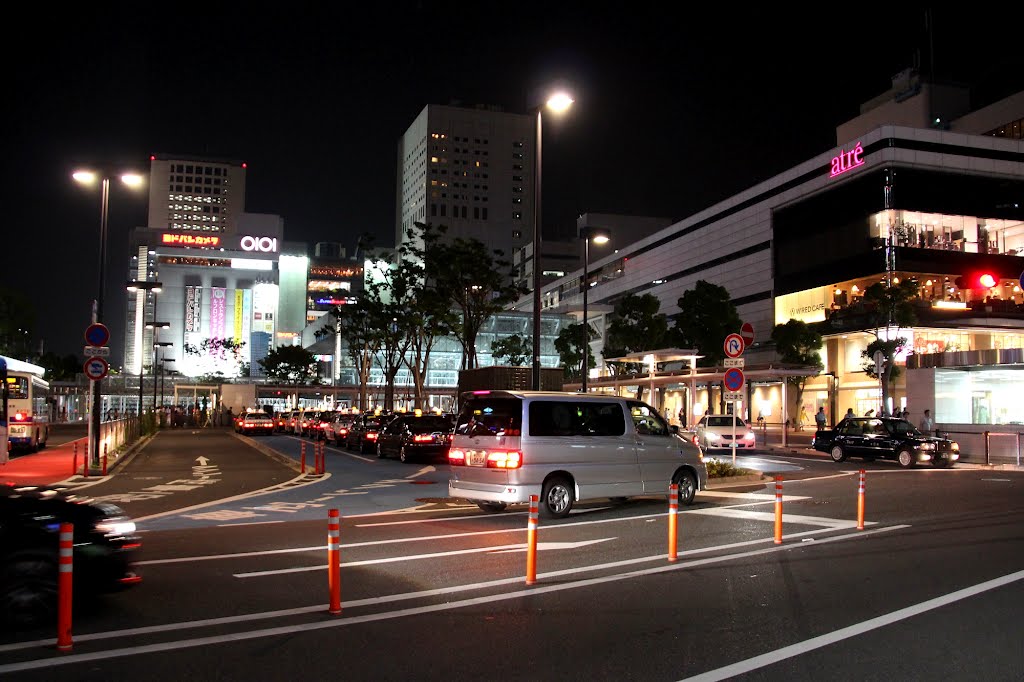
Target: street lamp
(155, 288)
(163, 371)
(557, 103)
(90, 177)
(157, 345)
(598, 235)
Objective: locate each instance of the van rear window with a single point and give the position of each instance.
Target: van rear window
(567, 418)
(483, 416)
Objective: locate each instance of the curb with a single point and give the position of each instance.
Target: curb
(269, 452)
(730, 481)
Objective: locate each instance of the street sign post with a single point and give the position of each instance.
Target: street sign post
(734, 362)
(96, 351)
(733, 345)
(733, 379)
(732, 382)
(95, 368)
(733, 396)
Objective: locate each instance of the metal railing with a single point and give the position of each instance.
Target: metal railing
(987, 435)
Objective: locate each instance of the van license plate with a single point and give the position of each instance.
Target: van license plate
(477, 458)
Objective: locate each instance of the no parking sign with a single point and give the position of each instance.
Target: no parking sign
(96, 368)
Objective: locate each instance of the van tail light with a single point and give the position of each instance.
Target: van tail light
(504, 459)
(457, 458)
(423, 438)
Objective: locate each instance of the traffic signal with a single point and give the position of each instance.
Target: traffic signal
(981, 279)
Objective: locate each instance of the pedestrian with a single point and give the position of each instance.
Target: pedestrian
(926, 423)
(906, 414)
(849, 413)
(820, 419)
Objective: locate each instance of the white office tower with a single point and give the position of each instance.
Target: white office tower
(471, 170)
(195, 195)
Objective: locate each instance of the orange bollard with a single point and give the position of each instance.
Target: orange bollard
(74, 462)
(673, 516)
(778, 510)
(64, 582)
(860, 502)
(104, 459)
(334, 559)
(303, 457)
(323, 458)
(531, 542)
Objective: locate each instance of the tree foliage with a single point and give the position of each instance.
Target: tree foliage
(290, 365)
(798, 343)
(60, 367)
(17, 321)
(516, 349)
(569, 353)
(891, 309)
(706, 316)
(634, 326)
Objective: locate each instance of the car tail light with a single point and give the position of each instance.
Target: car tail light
(342, 432)
(504, 459)
(423, 438)
(248, 424)
(457, 458)
(371, 435)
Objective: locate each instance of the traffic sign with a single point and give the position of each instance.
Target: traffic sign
(747, 332)
(96, 368)
(734, 362)
(97, 334)
(733, 379)
(733, 396)
(96, 351)
(734, 345)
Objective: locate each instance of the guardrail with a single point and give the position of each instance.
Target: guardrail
(988, 440)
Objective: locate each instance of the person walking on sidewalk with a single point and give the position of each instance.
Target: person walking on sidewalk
(926, 423)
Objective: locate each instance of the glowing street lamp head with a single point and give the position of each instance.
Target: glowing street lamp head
(559, 102)
(132, 179)
(84, 177)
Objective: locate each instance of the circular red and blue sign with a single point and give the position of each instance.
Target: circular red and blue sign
(95, 368)
(97, 334)
(733, 379)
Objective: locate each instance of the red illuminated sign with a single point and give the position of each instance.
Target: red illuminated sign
(188, 240)
(847, 160)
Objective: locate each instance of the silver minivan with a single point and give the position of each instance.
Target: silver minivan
(565, 447)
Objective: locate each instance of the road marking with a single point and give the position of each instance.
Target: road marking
(401, 613)
(809, 645)
(500, 549)
(997, 480)
(748, 496)
(246, 523)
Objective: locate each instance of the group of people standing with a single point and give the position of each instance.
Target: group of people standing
(926, 426)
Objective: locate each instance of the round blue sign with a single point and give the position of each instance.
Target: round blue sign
(733, 379)
(97, 334)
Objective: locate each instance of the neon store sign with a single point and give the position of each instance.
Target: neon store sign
(188, 240)
(261, 244)
(847, 160)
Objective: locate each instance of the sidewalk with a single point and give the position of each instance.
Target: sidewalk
(56, 464)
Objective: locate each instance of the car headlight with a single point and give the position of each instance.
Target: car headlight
(749, 436)
(926, 446)
(116, 527)
(711, 436)
(955, 446)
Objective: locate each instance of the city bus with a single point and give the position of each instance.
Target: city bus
(3, 411)
(28, 406)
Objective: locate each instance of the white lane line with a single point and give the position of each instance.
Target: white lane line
(809, 645)
(735, 513)
(246, 523)
(405, 596)
(403, 613)
(748, 496)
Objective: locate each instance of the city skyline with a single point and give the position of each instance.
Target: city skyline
(667, 121)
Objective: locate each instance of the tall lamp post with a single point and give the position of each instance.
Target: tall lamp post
(154, 288)
(90, 177)
(557, 103)
(158, 367)
(598, 235)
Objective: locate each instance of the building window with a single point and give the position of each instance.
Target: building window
(433, 212)
(519, 216)
(476, 216)
(484, 213)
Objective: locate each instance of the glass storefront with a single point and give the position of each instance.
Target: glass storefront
(979, 395)
(967, 234)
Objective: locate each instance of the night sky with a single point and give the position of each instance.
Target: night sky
(674, 111)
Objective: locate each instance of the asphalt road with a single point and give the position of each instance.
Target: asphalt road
(434, 589)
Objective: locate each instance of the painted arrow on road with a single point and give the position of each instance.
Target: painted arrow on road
(202, 461)
(541, 546)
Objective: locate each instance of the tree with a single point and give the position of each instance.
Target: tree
(798, 343)
(634, 326)
(516, 349)
(890, 309)
(60, 367)
(290, 365)
(706, 316)
(17, 320)
(216, 354)
(353, 324)
(477, 282)
(569, 354)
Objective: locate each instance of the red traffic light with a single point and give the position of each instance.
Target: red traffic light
(976, 280)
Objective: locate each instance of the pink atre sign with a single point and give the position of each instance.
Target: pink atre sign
(847, 160)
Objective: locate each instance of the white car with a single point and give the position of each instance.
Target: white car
(715, 432)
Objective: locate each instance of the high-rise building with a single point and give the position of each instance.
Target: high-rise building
(470, 170)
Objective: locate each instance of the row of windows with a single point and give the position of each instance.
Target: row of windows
(1013, 130)
(197, 218)
(197, 190)
(458, 211)
(196, 198)
(196, 228)
(198, 170)
(460, 174)
(442, 136)
(465, 197)
(195, 209)
(196, 181)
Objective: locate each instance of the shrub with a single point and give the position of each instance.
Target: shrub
(719, 468)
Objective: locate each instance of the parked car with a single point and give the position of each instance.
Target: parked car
(885, 438)
(715, 432)
(412, 437)
(256, 422)
(336, 430)
(362, 435)
(318, 421)
(566, 447)
(105, 548)
(294, 423)
(281, 420)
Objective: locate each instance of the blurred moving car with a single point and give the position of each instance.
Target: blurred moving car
(318, 422)
(416, 437)
(715, 432)
(105, 548)
(256, 422)
(336, 430)
(362, 435)
(885, 438)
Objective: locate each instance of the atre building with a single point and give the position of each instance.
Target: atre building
(918, 187)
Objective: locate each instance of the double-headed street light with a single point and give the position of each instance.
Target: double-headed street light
(157, 367)
(91, 177)
(557, 103)
(598, 235)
